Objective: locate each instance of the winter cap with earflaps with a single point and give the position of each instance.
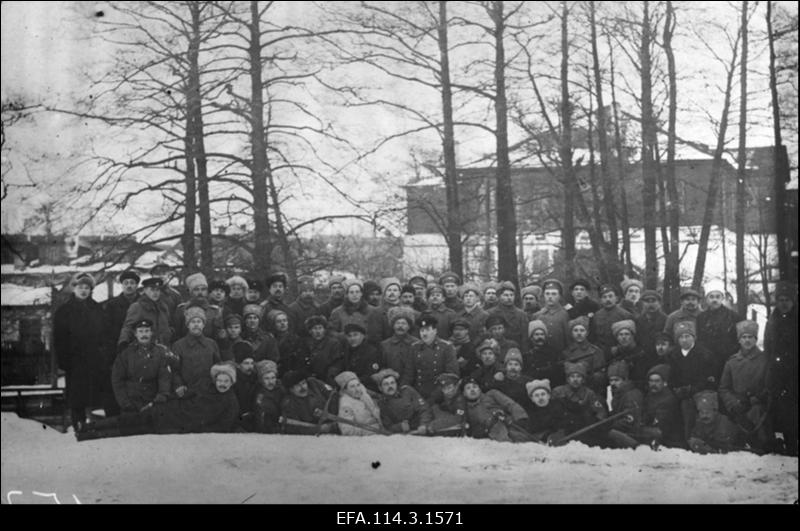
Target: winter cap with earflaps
(390, 281)
(236, 280)
(400, 312)
(242, 350)
(661, 369)
(618, 369)
(223, 368)
(292, 378)
(513, 354)
(626, 324)
(538, 384)
(570, 368)
(581, 320)
(343, 378)
(747, 327)
(536, 325)
(83, 278)
(629, 282)
(685, 327)
(382, 374)
(534, 290)
(706, 401)
(252, 309)
(193, 312)
(265, 367)
(195, 280)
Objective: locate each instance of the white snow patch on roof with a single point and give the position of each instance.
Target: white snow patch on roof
(15, 295)
(302, 469)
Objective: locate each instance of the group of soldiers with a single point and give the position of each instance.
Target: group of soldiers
(543, 364)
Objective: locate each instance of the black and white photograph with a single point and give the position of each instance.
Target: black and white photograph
(402, 260)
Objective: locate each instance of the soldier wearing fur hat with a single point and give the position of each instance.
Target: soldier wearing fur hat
(430, 357)
(403, 410)
(689, 310)
(591, 356)
(447, 404)
(211, 408)
(650, 322)
(780, 345)
(490, 295)
(554, 316)
(472, 310)
(547, 416)
(714, 432)
(255, 292)
(140, 375)
(218, 291)
(609, 313)
(148, 306)
(493, 415)
(542, 360)
(490, 369)
(439, 311)
(716, 329)
(326, 357)
(196, 354)
(396, 350)
(78, 344)
(744, 386)
(631, 296)
(264, 343)
(582, 405)
(692, 371)
(625, 396)
(360, 356)
(516, 319)
(372, 293)
(306, 398)
(268, 398)
(661, 416)
(511, 381)
(304, 306)
(237, 289)
(496, 327)
(277, 284)
(356, 404)
(627, 349)
(582, 302)
(198, 291)
(531, 295)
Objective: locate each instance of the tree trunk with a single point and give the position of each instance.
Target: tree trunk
(263, 245)
(565, 154)
(714, 181)
(506, 217)
(602, 141)
(648, 173)
(449, 148)
(781, 163)
(623, 196)
(187, 239)
(603, 265)
(741, 191)
(672, 274)
(195, 109)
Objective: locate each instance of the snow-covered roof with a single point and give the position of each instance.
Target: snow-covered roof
(15, 295)
(11, 269)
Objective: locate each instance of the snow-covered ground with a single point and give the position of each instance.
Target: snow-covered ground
(232, 468)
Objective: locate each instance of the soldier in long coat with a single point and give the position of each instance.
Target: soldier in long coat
(430, 357)
(78, 343)
(140, 375)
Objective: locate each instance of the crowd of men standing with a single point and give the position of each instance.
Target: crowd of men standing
(430, 358)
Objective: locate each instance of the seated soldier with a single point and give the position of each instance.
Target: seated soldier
(356, 404)
(582, 405)
(625, 397)
(744, 389)
(140, 376)
(246, 383)
(325, 350)
(303, 405)
(547, 417)
(661, 422)
(489, 368)
(196, 352)
(267, 402)
(448, 407)
(403, 410)
(211, 407)
(511, 382)
(542, 360)
(493, 415)
(714, 432)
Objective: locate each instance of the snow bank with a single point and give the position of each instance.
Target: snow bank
(16, 295)
(231, 468)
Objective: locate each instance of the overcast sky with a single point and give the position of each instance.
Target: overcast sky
(48, 46)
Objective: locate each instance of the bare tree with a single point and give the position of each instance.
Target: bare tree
(742, 283)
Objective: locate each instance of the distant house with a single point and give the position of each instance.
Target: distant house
(539, 202)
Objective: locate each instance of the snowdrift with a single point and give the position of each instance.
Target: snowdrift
(232, 468)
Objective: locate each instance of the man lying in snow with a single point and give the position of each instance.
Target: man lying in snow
(212, 408)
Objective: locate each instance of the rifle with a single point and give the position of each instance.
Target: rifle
(591, 427)
(336, 418)
(294, 422)
(456, 428)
